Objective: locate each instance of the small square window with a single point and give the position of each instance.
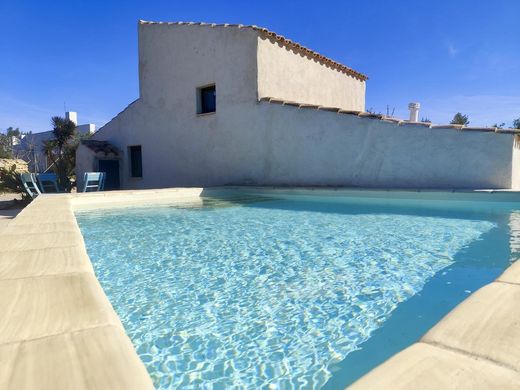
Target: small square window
(136, 161)
(207, 99)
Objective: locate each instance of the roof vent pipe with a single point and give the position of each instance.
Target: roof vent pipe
(414, 111)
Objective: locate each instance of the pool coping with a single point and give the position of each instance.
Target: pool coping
(61, 332)
(58, 329)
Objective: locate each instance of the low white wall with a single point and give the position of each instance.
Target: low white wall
(309, 147)
(270, 144)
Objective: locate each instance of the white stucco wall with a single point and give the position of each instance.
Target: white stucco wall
(246, 142)
(289, 75)
(173, 61)
(84, 163)
(515, 173)
(268, 144)
(309, 147)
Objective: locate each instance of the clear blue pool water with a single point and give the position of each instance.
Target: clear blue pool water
(261, 292)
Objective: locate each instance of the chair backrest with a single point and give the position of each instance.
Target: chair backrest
(29, 184)
(48, 182)
(94, 181)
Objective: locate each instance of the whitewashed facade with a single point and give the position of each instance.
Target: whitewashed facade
(285, 115)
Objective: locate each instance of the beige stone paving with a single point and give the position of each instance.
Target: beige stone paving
(40, 262)
(26, 219)
(47, 227)
(7, 216)
(90, 359)
(512, 274)
(42, 306)
(59, 331)
(57, 328)
(487, 324)
(31, 241)
(425, 367)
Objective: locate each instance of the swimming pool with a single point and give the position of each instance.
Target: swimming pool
(283, 291)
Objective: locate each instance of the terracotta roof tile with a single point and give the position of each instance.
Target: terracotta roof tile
(284, 41)
(290, 103)
(310, 106)
(276, 101)
(349, 112)
(384, 118)
(332, 109)
(408, 123)
(508, 131)
(391, 119)
(448, 126)
(370, 115)
(486, 129)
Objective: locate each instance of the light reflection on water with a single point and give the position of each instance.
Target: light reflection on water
(514, 226)
(269, 293)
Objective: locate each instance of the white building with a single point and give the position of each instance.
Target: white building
(232, 104)
(31, 147)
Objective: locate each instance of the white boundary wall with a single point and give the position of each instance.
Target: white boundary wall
(270, 144)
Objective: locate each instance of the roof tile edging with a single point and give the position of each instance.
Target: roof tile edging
(384, 118)
(278, 38)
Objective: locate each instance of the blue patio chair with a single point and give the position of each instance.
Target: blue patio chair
(93, 181)
(48, 182)
(29, 184)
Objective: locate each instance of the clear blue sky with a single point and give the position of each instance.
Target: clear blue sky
(449, 55)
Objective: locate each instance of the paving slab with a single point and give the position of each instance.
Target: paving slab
(45, 306)
(7, 216)
(30, 219)
(512, 274)
(48, 210)
(42, 262)
(31, 241)
(427, 367)
(57, 328)
(91, 359)
(48, 227)
(487, 324)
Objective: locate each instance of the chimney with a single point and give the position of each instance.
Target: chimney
(414, 111)
(73, 116)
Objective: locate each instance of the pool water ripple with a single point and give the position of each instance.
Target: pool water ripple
(269, 295)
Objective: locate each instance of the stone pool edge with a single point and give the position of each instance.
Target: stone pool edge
(59, 330)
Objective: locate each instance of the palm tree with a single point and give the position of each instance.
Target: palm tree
(64, 131)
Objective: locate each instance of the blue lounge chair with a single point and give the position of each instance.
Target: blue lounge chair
(93, 181)
(48, 182)
(29, 184)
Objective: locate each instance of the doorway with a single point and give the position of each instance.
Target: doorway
(111, 169)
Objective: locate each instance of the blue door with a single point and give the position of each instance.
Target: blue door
(111, 169)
